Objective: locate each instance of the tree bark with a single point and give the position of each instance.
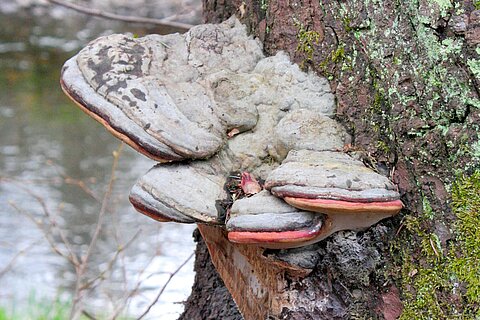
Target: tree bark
(406, 77)
(210, 298)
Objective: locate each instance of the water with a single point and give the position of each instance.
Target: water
(55, 160)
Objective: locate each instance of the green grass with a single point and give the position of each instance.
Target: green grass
(37, 309)
(3, 314)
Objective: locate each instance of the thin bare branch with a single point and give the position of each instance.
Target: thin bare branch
(112, 16)
(65, 179)
(103, 209)
(50, 228)
(72, 181)
(118, 304)
(9, 265)
(85, 258)
(72, 257)
(90, 283)
(29, 181)
(164, 287)
(135, 289)
(45, 233)
(53, 223)
(81, 185)
(88, 315)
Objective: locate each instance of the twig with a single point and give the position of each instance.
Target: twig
(108, 15)
(91, 283)
(88, 315)
(118, 304)
(28, 181)
(65, 179)
(164, 287)
(134, 290)
(103, 209)
(72, 181)
(81, 185)
(80, 270)
(53, 224)
(75, 182)
(120, 249)
(9, 266)
(50, 228)
(70, 256)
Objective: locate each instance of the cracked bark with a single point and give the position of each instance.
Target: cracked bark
(410, 100)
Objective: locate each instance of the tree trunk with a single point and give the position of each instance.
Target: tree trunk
(406, 77)
(209, 298)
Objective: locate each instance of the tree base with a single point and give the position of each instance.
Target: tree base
(210, 298)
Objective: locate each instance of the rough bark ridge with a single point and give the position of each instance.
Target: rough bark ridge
(406, 77)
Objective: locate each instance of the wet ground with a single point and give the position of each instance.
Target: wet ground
(55, 165)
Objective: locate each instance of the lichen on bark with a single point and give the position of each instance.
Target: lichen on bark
(406, 79)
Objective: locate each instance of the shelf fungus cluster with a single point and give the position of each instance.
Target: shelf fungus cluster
(206, 105)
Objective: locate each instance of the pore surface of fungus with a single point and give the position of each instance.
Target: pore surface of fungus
(211, 100)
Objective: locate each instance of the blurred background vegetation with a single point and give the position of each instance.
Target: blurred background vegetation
(57, 167)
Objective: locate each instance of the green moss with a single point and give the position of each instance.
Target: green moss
(346, 24)
(383, 146)
(477, 5)
(444, 284)
(466, 205)
(337, 57)
(264, 5)
(307, 39)
(415, 70)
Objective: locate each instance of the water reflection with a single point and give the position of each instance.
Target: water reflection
(55, 159)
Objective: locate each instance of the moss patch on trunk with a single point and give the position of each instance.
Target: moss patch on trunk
(444, 282)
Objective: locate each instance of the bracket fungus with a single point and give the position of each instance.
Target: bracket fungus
(211, 101)
(266, 220)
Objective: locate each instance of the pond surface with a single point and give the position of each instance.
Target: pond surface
(55, 167)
